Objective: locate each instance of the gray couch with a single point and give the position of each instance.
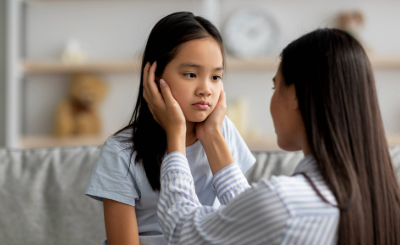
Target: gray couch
(42, 197)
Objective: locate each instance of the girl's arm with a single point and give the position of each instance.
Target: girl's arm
(121, 224)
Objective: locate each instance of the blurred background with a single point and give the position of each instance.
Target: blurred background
(69, 69)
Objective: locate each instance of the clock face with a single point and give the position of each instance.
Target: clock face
(250, 33)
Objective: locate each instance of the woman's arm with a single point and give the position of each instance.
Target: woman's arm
(210, 135)
(257, 216)
(121, 223)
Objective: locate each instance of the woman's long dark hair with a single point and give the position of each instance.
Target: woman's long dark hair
(336, 92)
(148, 137)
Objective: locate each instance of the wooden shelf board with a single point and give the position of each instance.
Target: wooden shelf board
(258, 64)
(30, 142)
(48, 66)
(133, 66)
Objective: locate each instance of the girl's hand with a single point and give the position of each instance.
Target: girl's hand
(213, 124)
(165, 109)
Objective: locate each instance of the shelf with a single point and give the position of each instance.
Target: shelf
(133, 66)
(270, 144)
(48, 66)
(257, 64)
(382, 62)
(30, 142)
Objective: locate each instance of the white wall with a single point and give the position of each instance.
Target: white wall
(381, 34)
(105, 29)
(3, 59)
(118, 29)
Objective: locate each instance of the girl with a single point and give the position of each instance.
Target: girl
(344, 191)
(186, 50)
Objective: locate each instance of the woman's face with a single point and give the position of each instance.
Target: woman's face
(195, 77)
(288, 122)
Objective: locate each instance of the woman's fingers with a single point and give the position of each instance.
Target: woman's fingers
(154, 116)
(222, 98)
(150, 91)
(151, 82)
(166, 93)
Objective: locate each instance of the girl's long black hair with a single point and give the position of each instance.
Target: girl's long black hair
(337, 97)
(148, 137)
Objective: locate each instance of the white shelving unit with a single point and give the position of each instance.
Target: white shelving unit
(18, 68)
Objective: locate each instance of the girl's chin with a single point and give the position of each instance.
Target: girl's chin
(196, 118)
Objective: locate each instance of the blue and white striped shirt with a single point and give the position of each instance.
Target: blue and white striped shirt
(283, 210)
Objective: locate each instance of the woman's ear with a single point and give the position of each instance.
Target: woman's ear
(295, 101)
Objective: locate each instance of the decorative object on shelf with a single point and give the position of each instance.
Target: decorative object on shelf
(237, 112)
(250, 33)
(73, 53)
(78, 114)
(352, 22)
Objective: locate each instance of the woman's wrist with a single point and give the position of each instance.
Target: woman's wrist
(210, 134)
(217, 150)
(176, 141)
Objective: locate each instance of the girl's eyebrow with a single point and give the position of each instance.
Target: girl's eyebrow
(194, 65)
(190, 64)
(273, 79)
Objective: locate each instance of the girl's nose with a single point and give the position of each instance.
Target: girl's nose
(204, 91)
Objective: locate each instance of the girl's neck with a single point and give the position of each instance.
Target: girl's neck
(191, 137)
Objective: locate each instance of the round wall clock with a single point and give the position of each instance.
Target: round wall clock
(250, 33)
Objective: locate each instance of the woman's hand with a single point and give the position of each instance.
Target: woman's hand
(213, 123)
(210, 135)
(165, 109)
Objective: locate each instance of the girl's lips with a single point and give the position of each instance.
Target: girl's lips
(201, 106)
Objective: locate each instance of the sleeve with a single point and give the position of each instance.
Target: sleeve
(240, 152)
(111, 177)
(229, 182)
(256, 216)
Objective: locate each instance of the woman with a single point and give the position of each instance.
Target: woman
(344, 191)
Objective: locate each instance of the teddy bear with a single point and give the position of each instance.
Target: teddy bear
(78, 113)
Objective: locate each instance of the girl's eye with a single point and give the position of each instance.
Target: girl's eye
(273, 88)
(216, 78)
(190, 75)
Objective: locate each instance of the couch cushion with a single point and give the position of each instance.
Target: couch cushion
(284, 163)
(42, 197)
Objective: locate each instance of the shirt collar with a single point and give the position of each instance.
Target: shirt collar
(306, 165)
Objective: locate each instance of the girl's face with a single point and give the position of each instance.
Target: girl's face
(288, 122)
(195, 77)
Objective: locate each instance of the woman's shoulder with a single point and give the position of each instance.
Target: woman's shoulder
(298, 194)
